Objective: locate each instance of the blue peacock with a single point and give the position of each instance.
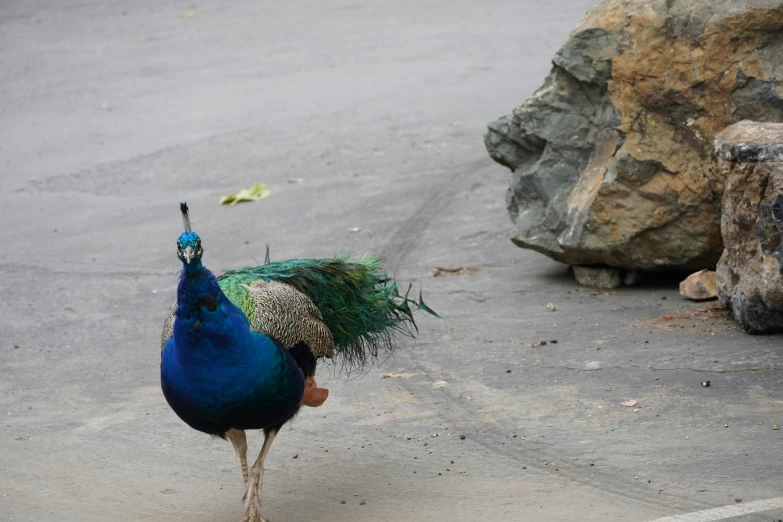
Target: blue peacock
(239, 351)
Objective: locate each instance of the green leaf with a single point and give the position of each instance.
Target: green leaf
(254, 193)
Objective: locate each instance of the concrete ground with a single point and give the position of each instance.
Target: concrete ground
(112, 112)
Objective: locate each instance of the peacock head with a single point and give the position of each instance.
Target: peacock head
(189, 247)
(188, 243)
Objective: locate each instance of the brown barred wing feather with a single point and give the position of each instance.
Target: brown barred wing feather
(289, 316)
(168, 327)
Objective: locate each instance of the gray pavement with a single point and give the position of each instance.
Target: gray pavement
(113, 112)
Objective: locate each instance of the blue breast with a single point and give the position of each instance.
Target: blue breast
(217, 374)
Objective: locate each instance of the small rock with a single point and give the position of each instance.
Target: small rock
(700, 286)
(705, 384)
(462, 437)
(597, 277)
(542, 343)
(737, 499)
(296, 456)
(776, 427)
(551, 307)
(553, 341)
(343, 501)
(363, 503)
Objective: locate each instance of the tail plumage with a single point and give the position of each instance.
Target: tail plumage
(360, 303)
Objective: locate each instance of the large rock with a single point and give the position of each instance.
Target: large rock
(749, 279)
(611, 156)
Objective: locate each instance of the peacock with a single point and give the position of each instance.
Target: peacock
(239, 351)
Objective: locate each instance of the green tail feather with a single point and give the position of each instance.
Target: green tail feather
(359, 302)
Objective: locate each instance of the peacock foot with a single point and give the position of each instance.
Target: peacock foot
(313, 395)
(253, 516)
(252, 498)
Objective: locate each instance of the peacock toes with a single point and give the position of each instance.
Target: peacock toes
(313, 395)
(252, 496)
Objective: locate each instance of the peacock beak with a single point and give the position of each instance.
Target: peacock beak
(188, 254)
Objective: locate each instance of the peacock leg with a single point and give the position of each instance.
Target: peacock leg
(239, 441)
(255, 482)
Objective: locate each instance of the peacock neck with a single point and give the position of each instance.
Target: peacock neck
(197, 287)
(205, 318)
(195, 271)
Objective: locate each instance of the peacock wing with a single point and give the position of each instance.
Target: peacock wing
(289, 316)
